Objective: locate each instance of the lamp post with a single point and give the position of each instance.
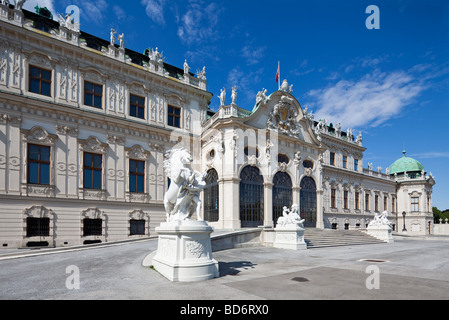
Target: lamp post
(403, 215)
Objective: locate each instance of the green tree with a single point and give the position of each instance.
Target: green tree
(436, 215)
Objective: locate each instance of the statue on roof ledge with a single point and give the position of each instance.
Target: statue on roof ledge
(18, 4)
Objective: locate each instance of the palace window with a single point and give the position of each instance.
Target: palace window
(333, 198)
(307, 164)
(376, 203)
(93, 95)
(174, 117)
(211, 198)
(92, 227)
(356, 165)
(40, 81)
(357, 200)
(385, 204)
(345, 199)
(136, 227)
(345, 162)
(393, 205)
(250, 151)
(136, 176)
(38, 164)
(38, 227)
(92, 171)
(367, 201)
(137, 106)
(414, 204)
(282, 193)
(282, 158)
(332, 158)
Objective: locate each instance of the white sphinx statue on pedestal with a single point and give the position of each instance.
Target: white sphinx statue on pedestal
(380, 219)
(290, 217)
(289, 231)
(182, 198)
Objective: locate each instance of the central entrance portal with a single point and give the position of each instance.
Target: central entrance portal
(308, 202)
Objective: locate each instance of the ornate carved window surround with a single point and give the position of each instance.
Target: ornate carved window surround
(95, 146)
(38, 136)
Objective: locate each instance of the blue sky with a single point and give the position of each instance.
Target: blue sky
(392, 83)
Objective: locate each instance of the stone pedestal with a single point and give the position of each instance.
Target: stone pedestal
(290, 236)
(184, 251)
(381, 232)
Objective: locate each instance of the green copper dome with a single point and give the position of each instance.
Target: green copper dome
(406, 164)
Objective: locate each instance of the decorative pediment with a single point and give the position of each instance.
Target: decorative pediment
(175, 100)
(92, 144)
(39, 135)
(39, 212)
(93, 213)
(137, 152)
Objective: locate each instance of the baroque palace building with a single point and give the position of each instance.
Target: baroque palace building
(85, 124)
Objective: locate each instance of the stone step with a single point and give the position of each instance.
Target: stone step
(316, 238)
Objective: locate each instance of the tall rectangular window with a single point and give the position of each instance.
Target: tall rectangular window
(367, 201)
(345, 162)
(40, 81)
(38, 170)
(174, 117)
(415, 204)
(357, 201)
(92, 170)
(345, 199)
(356, 164)
(332, 158)
(137, 106)
(136, 176)
(385, 204)
(333, 198)
(393, 205)
(376, 203)
(93, 95)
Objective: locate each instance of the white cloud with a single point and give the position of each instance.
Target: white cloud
(368, 101)
(155, 10)
(430, 155)
(119, 13)
(199, 22)
(252, 54)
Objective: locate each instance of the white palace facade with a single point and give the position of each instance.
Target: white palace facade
(85, 124)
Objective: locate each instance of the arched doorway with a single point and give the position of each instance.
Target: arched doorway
(308, 204)
(282, 194)
(251, 197)
(211, 196)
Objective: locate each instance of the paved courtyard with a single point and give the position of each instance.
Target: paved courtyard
(406, 269)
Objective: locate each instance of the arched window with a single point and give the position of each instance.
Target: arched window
(211, 196)
(251, 197)
(308, 201)
(282, 194)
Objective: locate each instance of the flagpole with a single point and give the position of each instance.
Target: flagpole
(279, 80)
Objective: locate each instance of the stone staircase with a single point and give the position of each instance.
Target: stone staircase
(316, 238)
